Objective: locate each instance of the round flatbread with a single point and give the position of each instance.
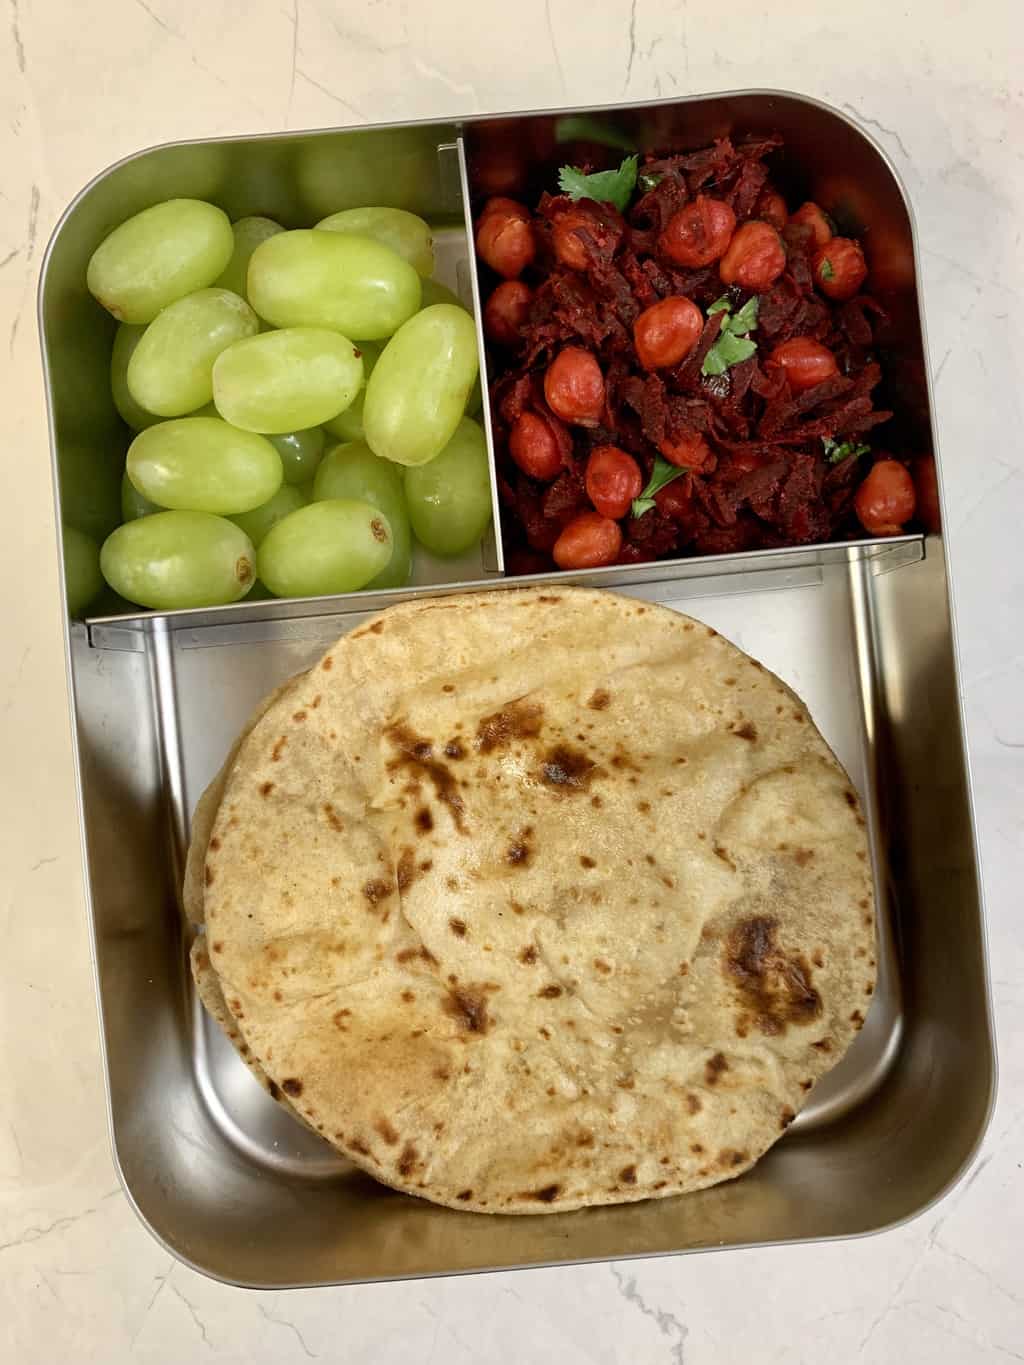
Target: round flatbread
(529, 900)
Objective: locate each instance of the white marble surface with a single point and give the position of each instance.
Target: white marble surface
(80, 85)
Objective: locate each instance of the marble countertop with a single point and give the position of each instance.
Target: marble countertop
(80, 86)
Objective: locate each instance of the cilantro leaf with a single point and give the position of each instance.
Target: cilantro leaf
(732, 344)
(837, 451)
(607, 187)
(746, 319)
(583, 128)
(826, 271)
(662, 474)
(727, 351)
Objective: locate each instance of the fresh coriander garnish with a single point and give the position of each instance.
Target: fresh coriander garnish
(732, 344)
(606, 187)
(837, 451)
(662, 474)
(826, 271)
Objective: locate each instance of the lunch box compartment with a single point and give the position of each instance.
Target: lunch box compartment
(863, 632)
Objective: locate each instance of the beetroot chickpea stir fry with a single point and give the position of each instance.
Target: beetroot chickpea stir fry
(681, 365)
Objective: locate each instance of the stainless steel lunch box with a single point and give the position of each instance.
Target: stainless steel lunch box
(863, 631)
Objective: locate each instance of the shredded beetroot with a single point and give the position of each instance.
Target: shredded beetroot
(760, 475)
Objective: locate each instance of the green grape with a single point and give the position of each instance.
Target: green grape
(201, 464)
(126, 338)
(300, 451)
(160, 255)
(418, 390)
(353, 471)
(288, 380)
(449, 499)
(82, 577)
(340, 280)
(179, 559)
(248, 234)
(258, 522)
(348, 425)
(171, 369)
(403, 232)
(433, 291)
(327, 547)
(133, 503)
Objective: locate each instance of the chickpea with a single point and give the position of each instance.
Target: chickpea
(505, 240)
(886, 499)
(613, 481)
(506, 311)
(755, 258)
(574, 387)
(698, 233)
(589, 541)
(667, 331)
(805, 363)
(538, 445)
(840, 268)
(811, 215)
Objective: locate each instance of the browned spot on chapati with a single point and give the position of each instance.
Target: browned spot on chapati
(786, 1117)
(587, 861)
(818, 958)
(774, 986)
(386, 1131)
(517, 720)
(568, 770)
(215, 843)
(628, 1175)
(600, 700)
(823, 1045)
(408, 996)
(298, 716)
(728, 1157)
(358, 1145)
(454, 749)
(424, 820)
(208, 875)
(467, 1005)
(519, 851)
(748, 730)
(273, 1091)
(377, 890)
(723, 853)
(417, 755)
(292, 1087)
(803, 856)
(464, 1194)
(806, 1085)
(547, 1195)
(408, 954)
(528, 955)
(857, 1019)
(278, 749)
(458, 927)
(266, 788)
(217, 947)
(697, 1148)
(333, 819)
(327, 664)
(405, 873)
(551, 992)
(714, 1067)
(602, 966)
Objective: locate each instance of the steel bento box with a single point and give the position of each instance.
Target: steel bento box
(863, 631)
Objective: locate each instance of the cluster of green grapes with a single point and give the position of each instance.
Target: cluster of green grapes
(299, 399)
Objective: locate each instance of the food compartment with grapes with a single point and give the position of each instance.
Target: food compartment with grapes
(678, 363)
(301, 402)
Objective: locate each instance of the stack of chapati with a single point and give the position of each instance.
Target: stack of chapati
(529, 900)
